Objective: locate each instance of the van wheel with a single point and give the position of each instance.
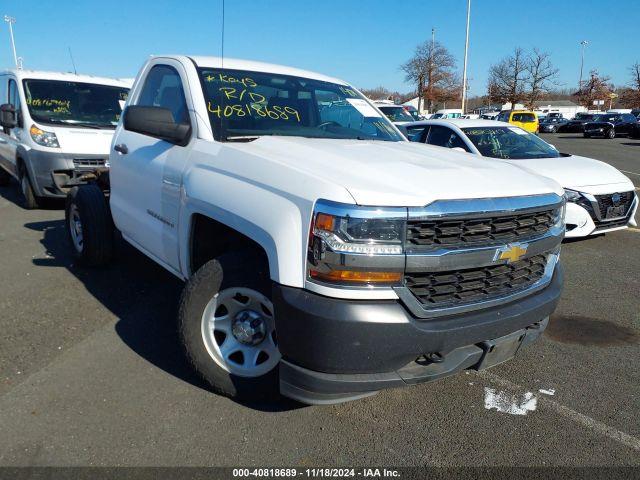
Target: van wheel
(89, 225)
(611, 133)
(227, 328)
(5, 178)
(30, 198)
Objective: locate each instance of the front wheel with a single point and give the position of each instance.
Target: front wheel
(29, 195)
(227, 327)
(611, 133)
(89, 225)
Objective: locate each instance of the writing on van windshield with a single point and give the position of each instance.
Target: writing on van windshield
(238, 98)
(55, 105)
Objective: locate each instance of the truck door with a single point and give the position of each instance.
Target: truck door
(146, 172)
(9, 139)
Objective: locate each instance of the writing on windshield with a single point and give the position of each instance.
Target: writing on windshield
(74, 103)
(244, 104)
(509, 143)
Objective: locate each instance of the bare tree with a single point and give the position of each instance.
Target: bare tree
(432, 70)
(541, 76)
(596, 88)
(508, 78)
(378, 93)
(630, 97)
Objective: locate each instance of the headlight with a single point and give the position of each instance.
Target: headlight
(572, 195)
(46, 139)
(359, 246)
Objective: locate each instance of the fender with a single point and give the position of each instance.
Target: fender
(277, 223)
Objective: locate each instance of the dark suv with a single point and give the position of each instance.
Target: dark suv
(610, 125)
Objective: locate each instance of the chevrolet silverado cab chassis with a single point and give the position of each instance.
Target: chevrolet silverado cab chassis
(325, 257)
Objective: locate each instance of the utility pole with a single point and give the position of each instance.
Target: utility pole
(430, 72)
(464, 69)
(584, 43)
(11, 21)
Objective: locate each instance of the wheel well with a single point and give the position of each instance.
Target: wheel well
(210, 239)
(19, 165)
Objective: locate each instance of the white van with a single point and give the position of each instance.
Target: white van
(448, 113)
(56, 129)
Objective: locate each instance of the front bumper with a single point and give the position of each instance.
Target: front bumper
(336, 350)
(54, 173)
(580, 222)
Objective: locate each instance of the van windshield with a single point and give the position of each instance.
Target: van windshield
(76, 104)
(244, 105)
(509, 143)
(396, 114)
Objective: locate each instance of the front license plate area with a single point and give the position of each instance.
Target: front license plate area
(614, 212)
(500, 349)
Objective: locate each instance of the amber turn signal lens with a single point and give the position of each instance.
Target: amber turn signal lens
(325, 222)
(354, 276)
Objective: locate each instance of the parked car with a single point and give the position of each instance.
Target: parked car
(413, 111)
(552, 124)
(600, 198)
(489, 115)
(448, 113)
(610, 125)
(636, 113)
(325, 256)
(576, 125)
(57, 128)
(396, 113)
(525, 119)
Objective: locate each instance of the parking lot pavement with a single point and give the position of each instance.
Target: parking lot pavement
(91, 374)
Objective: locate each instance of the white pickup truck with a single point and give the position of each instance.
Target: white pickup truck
(325, 257)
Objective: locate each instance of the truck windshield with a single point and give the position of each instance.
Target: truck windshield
(509, 143)
(243, 105)
(77, 104)
(396, 114)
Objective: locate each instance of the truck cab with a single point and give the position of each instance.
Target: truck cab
(56, 129)
(325, 258)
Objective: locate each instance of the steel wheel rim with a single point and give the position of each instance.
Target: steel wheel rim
(75, 228)
(225, 349)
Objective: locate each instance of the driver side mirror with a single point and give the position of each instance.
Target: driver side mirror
(156, 122)
(8, 117)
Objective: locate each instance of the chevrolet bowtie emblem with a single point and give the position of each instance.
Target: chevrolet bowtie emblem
(511, 253)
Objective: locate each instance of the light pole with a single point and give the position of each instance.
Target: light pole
(11, 21)
(464, 69)
(584, 43)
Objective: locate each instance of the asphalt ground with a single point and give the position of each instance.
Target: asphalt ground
(90, 371)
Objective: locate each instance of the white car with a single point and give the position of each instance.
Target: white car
(290, 205)
(448, 113)
(57, 129)
(600, 198)
(398, 114)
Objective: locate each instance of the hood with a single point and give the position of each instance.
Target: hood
(398, 173)
(86, 141)
(575, 172)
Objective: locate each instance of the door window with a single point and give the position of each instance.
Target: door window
(445, 137)
(163, 88)
(14, 97)
(417, 133)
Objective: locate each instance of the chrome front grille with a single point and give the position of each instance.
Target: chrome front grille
(493, 230)
(458, 287)
(605, 201)
(465, 255)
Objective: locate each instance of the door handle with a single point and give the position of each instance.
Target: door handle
(121, 148)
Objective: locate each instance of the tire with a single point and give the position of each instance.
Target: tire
(5, 178)
(611, 134)
(89, 226)
(30, 199)
(203, 310)
(553, 130)
(586, 135)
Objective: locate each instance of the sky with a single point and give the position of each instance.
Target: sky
(362, 42)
